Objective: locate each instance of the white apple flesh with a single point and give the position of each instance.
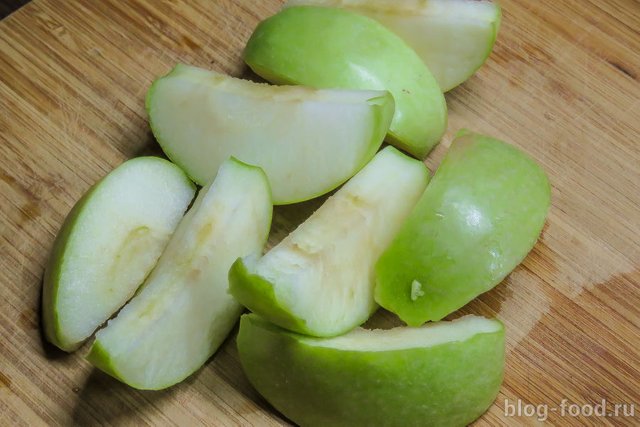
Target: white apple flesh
(453, 37)
(184, 312)
(319, 279)
(108, 244)
(307, 141)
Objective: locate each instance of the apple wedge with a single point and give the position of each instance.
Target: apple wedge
(333, 48)
(184, 312)
(477, 220)
(453, 37)
(307, 141)
(108, 244)
(442, 374)
(319, 279)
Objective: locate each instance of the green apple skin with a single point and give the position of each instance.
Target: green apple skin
(319, 280)
(453, 37)
(374, 379)
(129, 217)
(333, 48)
(184, 311)
(308, 141)
(476, 221)
(258, 293)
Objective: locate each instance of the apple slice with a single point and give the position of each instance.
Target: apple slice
(319, 279)
(442, 374)
(108, 244)
(307, 141)
(331, 48)
(184, 312)
(477, 220)
(453, 37)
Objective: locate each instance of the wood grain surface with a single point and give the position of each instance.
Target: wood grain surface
(562, 84)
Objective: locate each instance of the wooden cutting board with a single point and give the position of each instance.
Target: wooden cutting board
(562, 84)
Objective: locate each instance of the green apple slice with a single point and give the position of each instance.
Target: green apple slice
(441, 374)
(319, 279)
(184, 312)
(108, 244)
(477, 220)
(329, 48)
(453, 37)
(307, 141)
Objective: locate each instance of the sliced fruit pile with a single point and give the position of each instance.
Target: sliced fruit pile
(373, 70)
